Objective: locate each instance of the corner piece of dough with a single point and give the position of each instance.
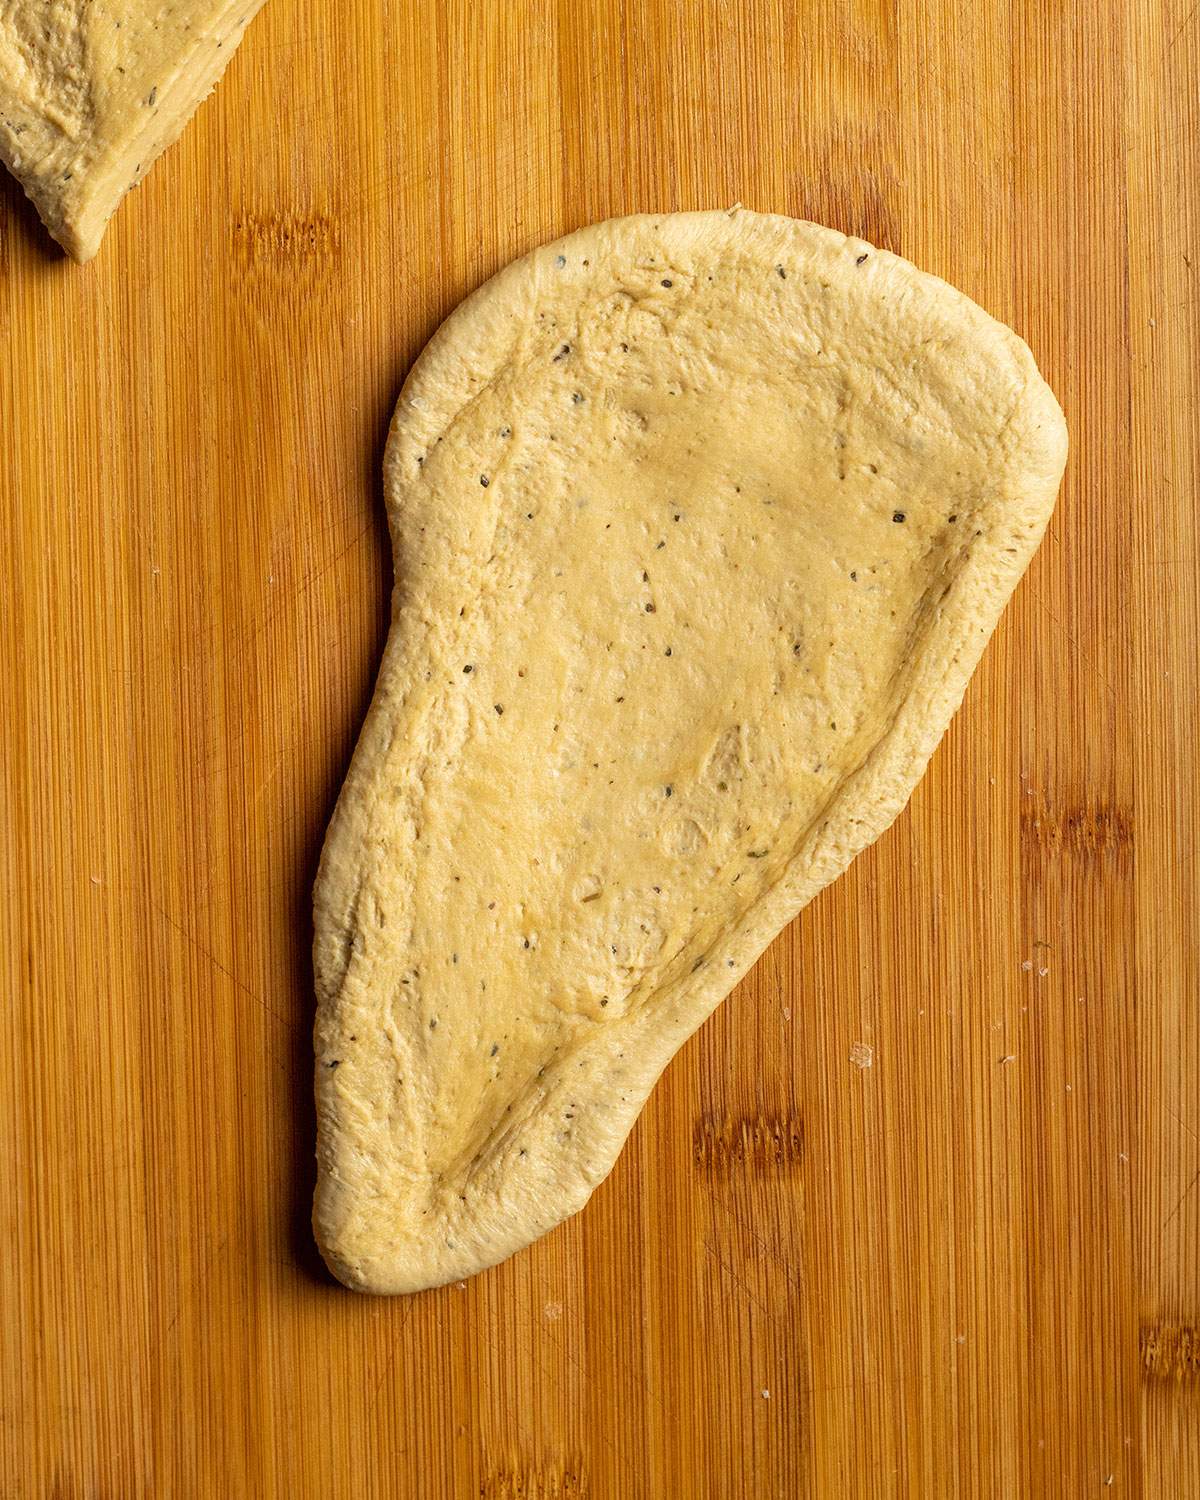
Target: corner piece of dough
(701, 523)
(93, 91)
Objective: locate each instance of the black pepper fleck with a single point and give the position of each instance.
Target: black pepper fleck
(499, 707)
(495, 1048)
(649, 609)
(667, 282)
(468, 669)
(562, 353)
(484, 480)
(861, 258)
(668, 791)
(898, 516)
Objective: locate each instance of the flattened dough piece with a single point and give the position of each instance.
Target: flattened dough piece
(93, 91)
(701, 524)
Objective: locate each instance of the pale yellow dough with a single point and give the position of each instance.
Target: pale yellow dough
(93, 91)
(701, 523)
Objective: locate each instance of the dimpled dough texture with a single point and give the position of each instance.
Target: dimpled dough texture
(701, 523)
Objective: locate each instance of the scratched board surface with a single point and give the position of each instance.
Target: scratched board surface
(918, 1212)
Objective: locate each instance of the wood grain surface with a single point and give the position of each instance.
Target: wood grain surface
(918, 1212)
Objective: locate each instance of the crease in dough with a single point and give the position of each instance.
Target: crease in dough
(701, 523)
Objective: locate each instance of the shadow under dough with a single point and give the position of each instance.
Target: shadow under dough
(303, 1113)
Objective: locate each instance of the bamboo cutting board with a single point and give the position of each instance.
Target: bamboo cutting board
(918, 1212)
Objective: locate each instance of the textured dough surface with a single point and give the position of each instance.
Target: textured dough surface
(93, 91)
(701, 523)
